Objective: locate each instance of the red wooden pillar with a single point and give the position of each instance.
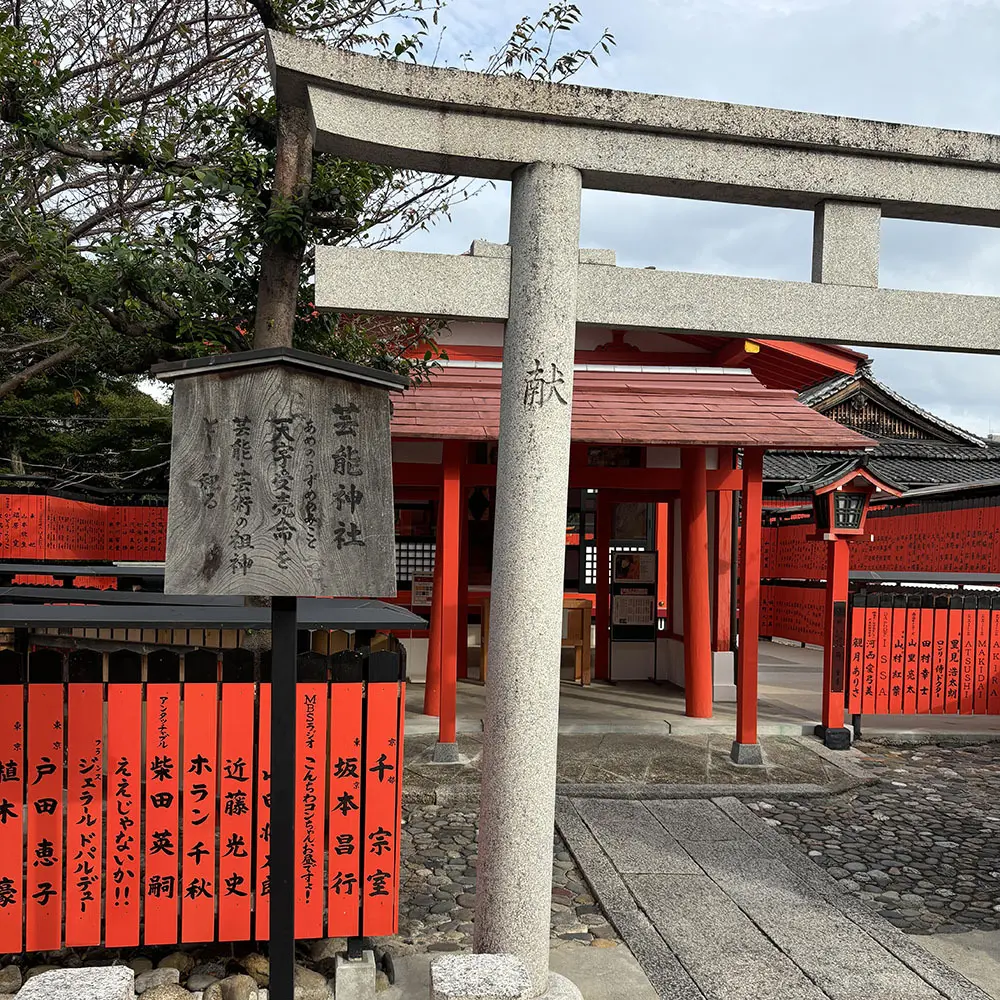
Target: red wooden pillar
(722, 572)
(463, 585)
(838, 563)
(662, 564)
(602, 611)
(451, 544)
(432, 684)
(696, 610)
(745, 748)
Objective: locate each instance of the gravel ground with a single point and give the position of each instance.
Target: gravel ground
(438, 885)
(922, 846)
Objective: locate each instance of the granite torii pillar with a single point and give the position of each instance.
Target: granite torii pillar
(517, 807)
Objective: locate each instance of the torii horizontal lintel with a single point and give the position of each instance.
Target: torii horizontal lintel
(476, 287)
(452, 121)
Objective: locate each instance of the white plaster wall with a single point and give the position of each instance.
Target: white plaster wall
(632, 661)
(662, 457)
(416, 659)
(670, 660)
(670, 667)
(723, 677)
(418, 452)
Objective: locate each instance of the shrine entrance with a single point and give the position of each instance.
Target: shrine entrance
(650, 547)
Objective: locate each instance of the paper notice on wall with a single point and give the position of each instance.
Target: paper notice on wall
(631, 609)
(423, 592)
(637, 567)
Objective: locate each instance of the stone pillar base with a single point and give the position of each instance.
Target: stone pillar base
(446, 753)
(561, 988)
(479, 977)
(724, 693)
(492, 977)
(834, 739)
(747, 754)
(354, 979)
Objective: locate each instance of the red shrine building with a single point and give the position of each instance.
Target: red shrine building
(668, 439)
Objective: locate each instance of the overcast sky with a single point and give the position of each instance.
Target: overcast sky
(928, 62)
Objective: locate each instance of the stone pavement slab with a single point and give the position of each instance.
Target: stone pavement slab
(941, 976)
(760, 921)
(695, 820)
(639, 765)
(808, 930)
(669, 978)
(976, 954)
(727, 956)
(633, 839)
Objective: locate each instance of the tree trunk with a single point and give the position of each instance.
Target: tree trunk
(281, 262)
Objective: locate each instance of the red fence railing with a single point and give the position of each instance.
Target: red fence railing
(135, 806)
(920, 654)
(56, 529)
(959, 537)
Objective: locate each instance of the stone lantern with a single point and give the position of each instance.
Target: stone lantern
(841, 496)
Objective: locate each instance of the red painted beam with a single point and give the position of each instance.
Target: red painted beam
(697, 618)
(580, 477)
(731, 355)
(662, 547)
(415, 474)
(432, 685)
(722, 572)
(839, 359)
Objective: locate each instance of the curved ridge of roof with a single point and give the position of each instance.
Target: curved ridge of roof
(816, 394)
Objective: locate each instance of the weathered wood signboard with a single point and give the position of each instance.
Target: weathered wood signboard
(280, 477)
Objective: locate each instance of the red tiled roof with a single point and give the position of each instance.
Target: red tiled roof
(667, 407)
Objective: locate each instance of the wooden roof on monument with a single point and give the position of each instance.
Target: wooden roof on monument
(628, 405)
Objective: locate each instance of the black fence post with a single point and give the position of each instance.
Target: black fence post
(284, 676)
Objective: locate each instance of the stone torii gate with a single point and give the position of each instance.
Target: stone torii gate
(549, 141)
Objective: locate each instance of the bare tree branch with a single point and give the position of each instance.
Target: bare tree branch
(15, 382)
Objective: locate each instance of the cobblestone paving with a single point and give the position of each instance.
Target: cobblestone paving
(922, 846)
(438, 885)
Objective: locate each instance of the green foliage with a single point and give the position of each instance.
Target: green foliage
(107, 435)
(137, 162)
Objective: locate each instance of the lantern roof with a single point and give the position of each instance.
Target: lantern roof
(853, 472)
(289, 357)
